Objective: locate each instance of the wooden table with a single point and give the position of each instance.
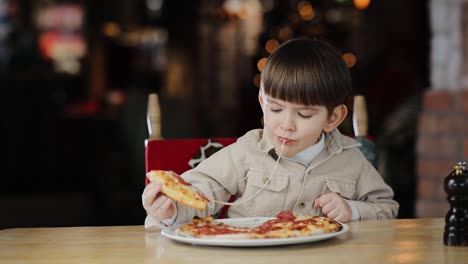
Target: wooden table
(367, 242)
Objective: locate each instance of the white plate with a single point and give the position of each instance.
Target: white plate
(169, 232)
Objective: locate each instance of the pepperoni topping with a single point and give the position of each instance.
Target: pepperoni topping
(286, 216)
(180, 179)
(267, 227)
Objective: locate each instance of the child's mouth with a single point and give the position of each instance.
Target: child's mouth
(285, 140)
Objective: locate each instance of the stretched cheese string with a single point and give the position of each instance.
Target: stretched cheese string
(263, 187)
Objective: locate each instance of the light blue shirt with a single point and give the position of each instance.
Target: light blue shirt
(307, 155)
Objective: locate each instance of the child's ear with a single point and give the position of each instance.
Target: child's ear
(337, 116)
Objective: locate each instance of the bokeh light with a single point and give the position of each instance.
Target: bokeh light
(361, 4)
(285, 33)
(306, 11)
(111, 29)
(271, 45)
(349, 59)
(261, 63)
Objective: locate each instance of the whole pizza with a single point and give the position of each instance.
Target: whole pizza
(284, 225)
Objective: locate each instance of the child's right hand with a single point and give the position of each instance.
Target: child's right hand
(155, 203)
(334, 207)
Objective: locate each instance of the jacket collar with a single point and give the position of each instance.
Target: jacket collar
(265, 143)
(336, 142)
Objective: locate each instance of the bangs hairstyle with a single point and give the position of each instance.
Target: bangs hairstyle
(307, 72)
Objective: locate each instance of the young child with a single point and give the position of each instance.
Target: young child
(299, 162)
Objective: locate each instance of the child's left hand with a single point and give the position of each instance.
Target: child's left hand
(334, 207)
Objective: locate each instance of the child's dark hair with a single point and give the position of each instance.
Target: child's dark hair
(307, 72)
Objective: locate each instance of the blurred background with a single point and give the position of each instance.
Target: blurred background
(75, 76)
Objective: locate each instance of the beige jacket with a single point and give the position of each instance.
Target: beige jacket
(243, 168)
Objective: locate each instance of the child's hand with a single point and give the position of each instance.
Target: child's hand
(334, 207)
(155, 203)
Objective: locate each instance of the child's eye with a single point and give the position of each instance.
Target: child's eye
(305, 116)
(274, 108)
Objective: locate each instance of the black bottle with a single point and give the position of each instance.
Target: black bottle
(456, 220)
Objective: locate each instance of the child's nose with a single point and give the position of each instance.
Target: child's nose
(287, 123)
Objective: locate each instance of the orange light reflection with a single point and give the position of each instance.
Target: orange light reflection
(261, 63)
(271, 45)
(361, 4)
(306, 10)
(349, 59)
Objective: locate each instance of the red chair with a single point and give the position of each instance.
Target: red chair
(178, 155)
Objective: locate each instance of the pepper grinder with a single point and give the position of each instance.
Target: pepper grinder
(456, 219)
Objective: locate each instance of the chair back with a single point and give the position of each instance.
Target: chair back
(178, 155)
(360, 126)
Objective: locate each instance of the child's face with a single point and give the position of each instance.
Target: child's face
(299, 126)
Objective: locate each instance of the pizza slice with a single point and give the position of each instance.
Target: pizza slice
(176, 188)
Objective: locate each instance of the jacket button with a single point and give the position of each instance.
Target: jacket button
(302, 205)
